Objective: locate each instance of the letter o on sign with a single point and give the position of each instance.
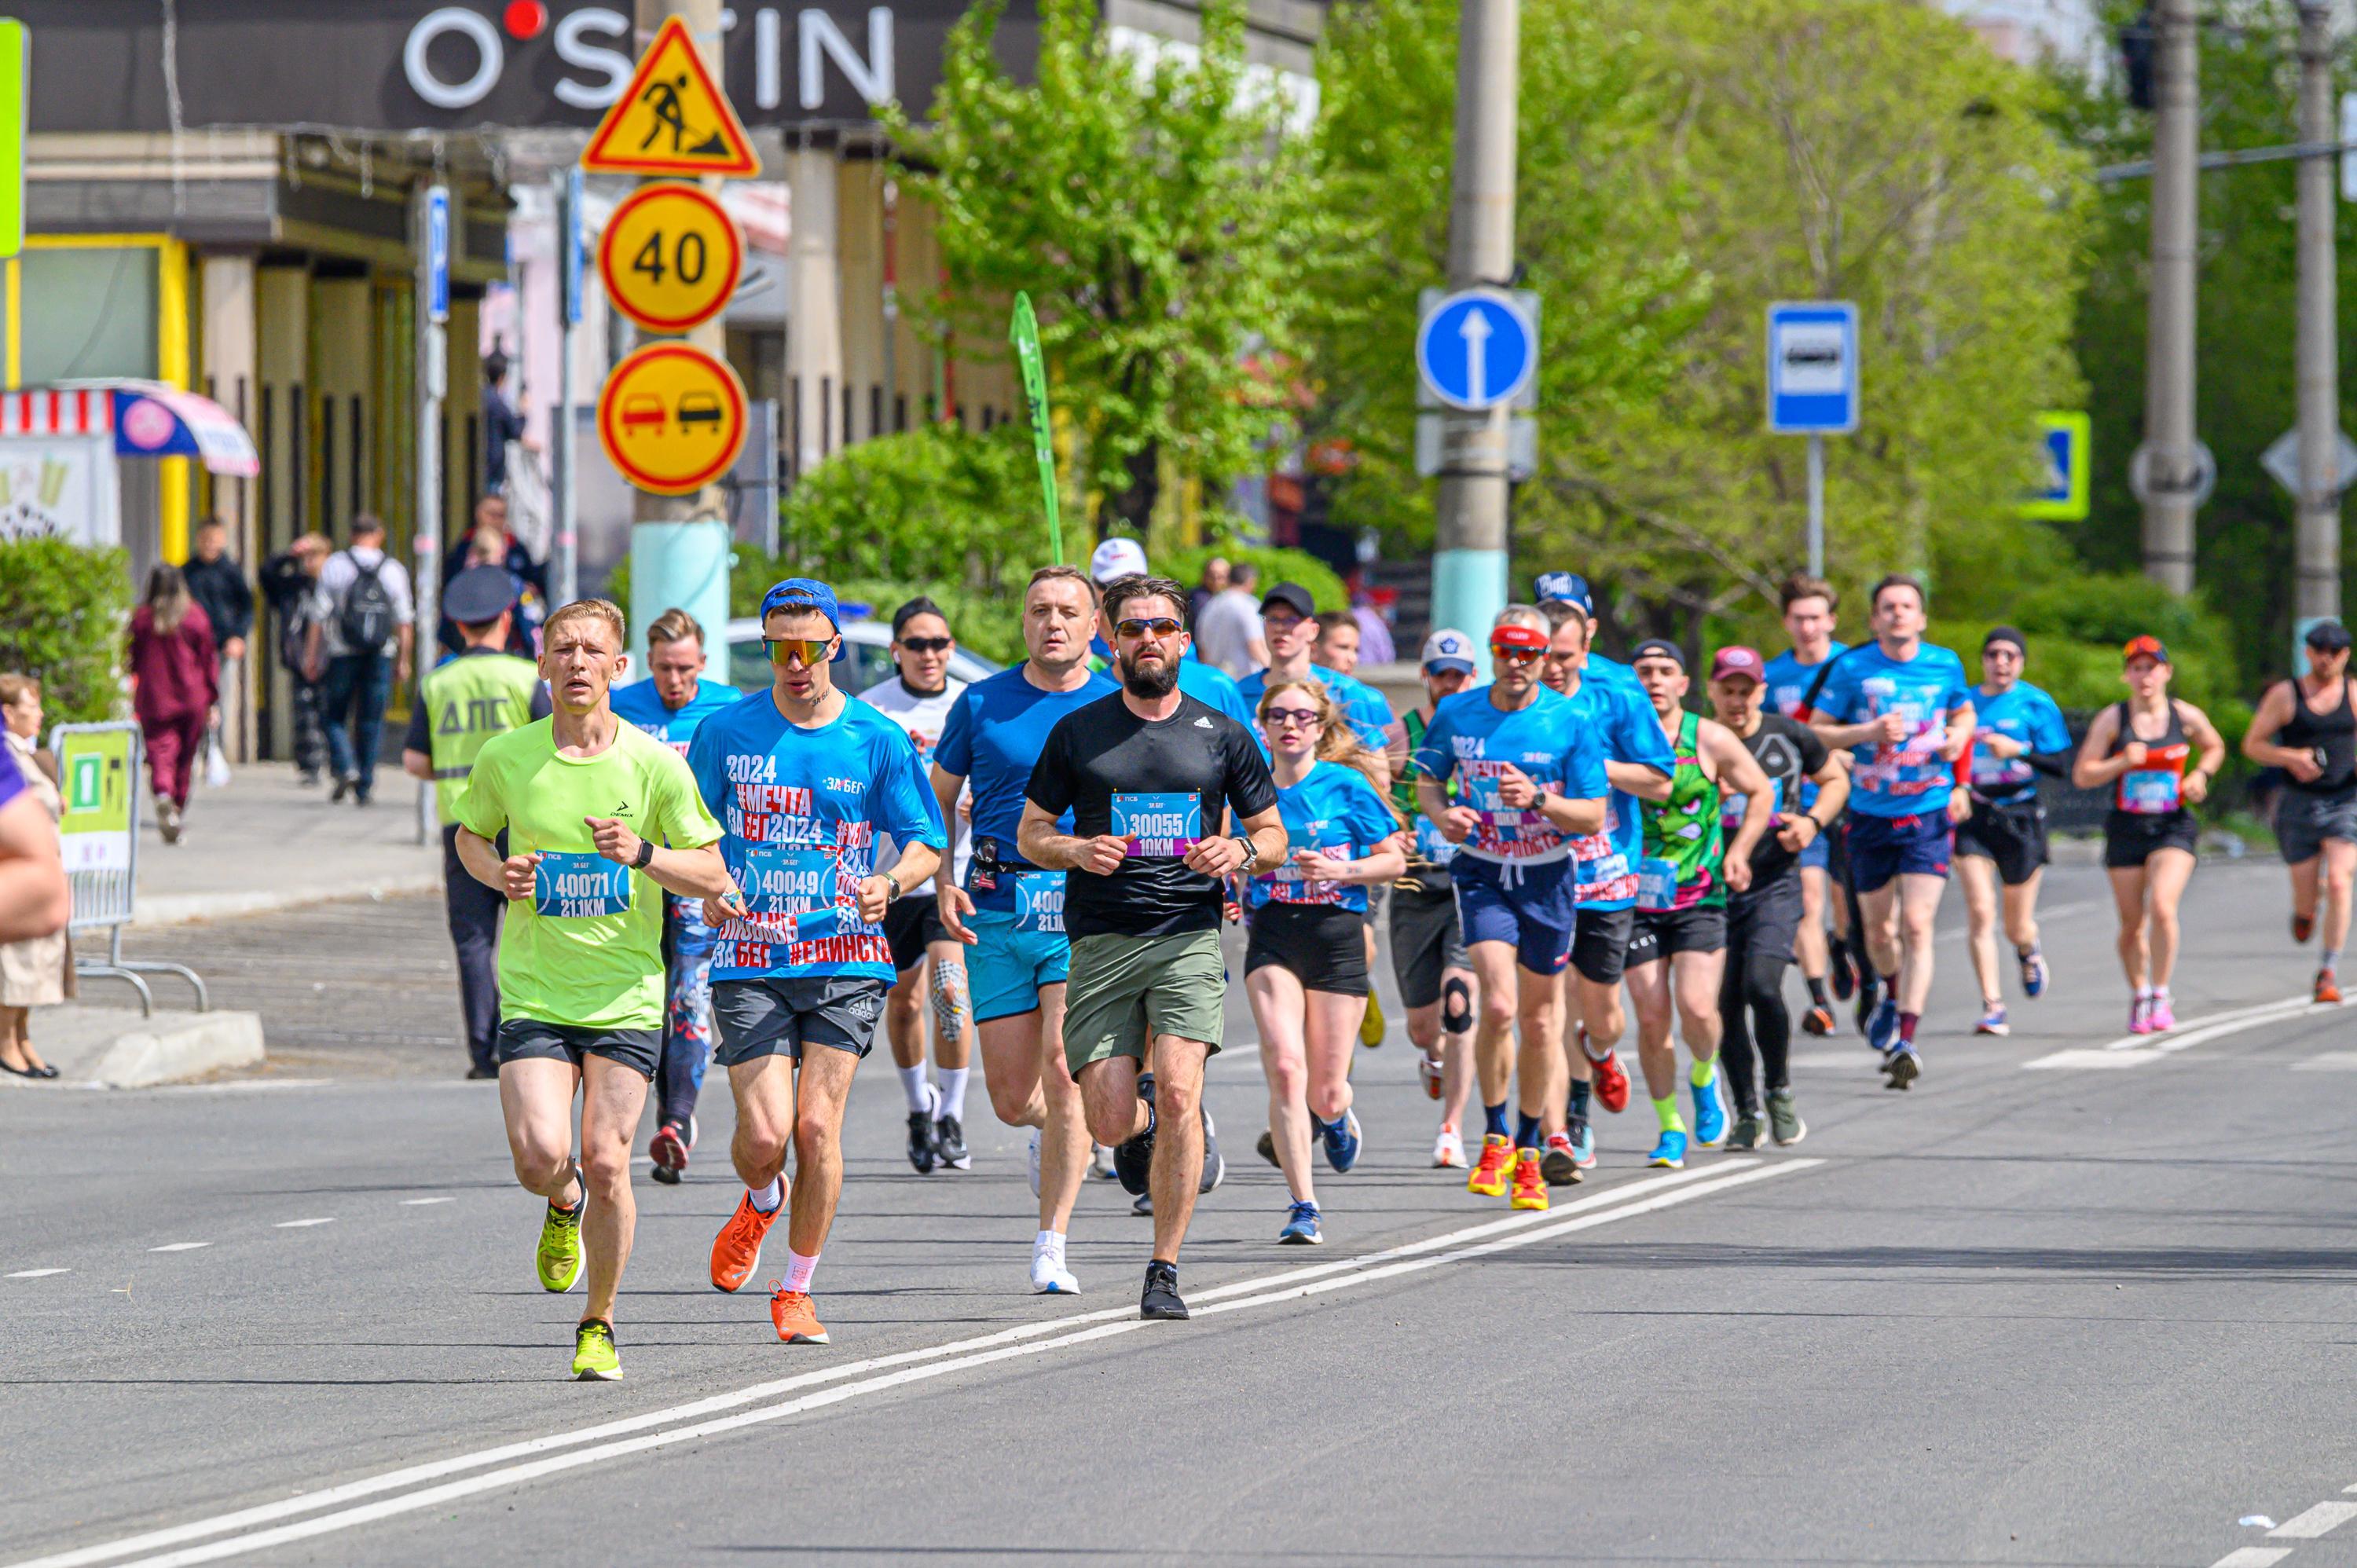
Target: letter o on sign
(491, 56)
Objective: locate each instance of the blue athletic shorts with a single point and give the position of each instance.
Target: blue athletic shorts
(1007, 967)
(1883, 847)
(1533, 907)
(1819, 854)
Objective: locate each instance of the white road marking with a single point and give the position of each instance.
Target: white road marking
(244, 1086)
(2321, 1519)
(608, 1440)
(2330, 1061)
(2135, 1050)
(299, 1224)
(2253, 1557)
(37, 1274)
(421, 1202)
(179, 1246)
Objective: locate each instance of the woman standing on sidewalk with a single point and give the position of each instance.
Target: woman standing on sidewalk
(39, 972)
(175, 676)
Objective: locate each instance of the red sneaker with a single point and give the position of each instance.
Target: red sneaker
(1611, 1082)
(797, 1321)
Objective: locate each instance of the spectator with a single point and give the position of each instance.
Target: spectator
(290, 581)
(372, 625)
(1215, 577)
(216, 582)
(36, 971)
(502, 423)
(1227, 632)
(175, 683)
(1375, 644)
(489, 543)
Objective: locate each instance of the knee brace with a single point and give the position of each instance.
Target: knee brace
(950, 1005)
(1456, 1006)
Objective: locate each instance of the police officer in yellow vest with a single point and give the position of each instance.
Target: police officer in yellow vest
(481, 692)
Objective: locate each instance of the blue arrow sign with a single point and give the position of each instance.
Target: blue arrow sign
(437, 255)
(1812, 369)
(1477, 349)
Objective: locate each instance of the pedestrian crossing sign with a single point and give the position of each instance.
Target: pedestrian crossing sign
(673, 118)
(2064, 480)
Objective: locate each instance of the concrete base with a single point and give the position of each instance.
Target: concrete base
(109, 1048)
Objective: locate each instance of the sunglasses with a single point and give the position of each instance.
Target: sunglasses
(1149, 626)
(928, 644)
(1286, 718)
(1514, 655)
(808, 649)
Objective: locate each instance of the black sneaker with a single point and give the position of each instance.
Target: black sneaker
(922, 1153)
(1161, 1298)
(1133, 1158)
(1267, 1148)
(344, 782)
(1845, 973)
(949, 1142)
(1869, 997)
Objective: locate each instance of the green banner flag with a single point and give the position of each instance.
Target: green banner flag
(1025, 335)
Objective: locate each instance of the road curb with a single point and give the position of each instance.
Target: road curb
(106, 1048)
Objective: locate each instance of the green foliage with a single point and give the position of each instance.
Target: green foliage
(62, 613)
(1277, 566)
(938, 505)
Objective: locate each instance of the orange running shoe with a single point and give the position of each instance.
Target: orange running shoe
(1530, 1182)
(737, 1251)
(2302, 926)
(797, 1323)
(2327, 987)
(1489, 1177)
(1611, 1081)
(1817, 1020)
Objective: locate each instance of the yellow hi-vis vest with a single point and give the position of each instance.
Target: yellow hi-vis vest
(468, 700)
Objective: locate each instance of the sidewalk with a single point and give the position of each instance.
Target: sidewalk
(266, 842)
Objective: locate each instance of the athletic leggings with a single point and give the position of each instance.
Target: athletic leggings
(1751, 990)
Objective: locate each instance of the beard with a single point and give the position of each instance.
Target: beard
(1148, 684)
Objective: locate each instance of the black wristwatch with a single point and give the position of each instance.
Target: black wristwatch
(894, 881)
(646, 856)
(1538, 798)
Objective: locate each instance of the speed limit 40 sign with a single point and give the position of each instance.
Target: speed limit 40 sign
(671, 257)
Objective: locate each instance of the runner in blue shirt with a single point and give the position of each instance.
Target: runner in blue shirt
(1811, 608)
(668, 704)
(1011, 912)
(2019, 734)
(1904, 709)
(1530, 774)
(803, 779)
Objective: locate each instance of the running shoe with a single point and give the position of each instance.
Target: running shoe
(1048, 1274)
(2302, 927)
(2163, 1017)
(1785, 1122)
(1841, 972)
(1301, 1226)
(1448, 1151)
(1583, 1142)
(1882, 1027)
(1428, 1070)
(1710, 1114)
(560, 1256)
(1818, 1021)
(1530, 1181)
(2140, 1015)
(1746, 1131)
(796, 1321)
(921, 1152)
(2034, 973)
(1267, 1147)
(1993, 1021)
(1869, 995)
(948, 1141)
(1215, 1164)
(1143, 1206)
(1489, 1177)
(593, 1358)
(1371, 1024)
(1903, 1066)
(1133, 1158)
(1035, 1161)
(737, 1251)
(2327, 987)
(1101, 1164)
(1611, 1081)
(668, 1148)
(1559, 1162)
(1342, 1139)
(1161, 1299)
(1670, 1154)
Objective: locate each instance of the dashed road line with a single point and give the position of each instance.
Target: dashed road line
(299, 1224)
(179, 1246)
(37, 1274)
(2321, 1519)
(2253, 1557)
(421, 1202)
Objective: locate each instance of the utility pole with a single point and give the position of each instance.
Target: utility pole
(565, 566)
(433, 229)
(2317, 527)
(1469, 563)
(2172, 461)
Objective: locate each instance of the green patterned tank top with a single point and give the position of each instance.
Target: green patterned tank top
(1683, 840)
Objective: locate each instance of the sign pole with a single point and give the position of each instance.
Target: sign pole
(433, 290)
(1816, 506)
(1025, 335)
(566, 584)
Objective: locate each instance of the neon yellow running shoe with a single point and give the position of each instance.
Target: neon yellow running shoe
(560, 1248)
(1371, 1026)
(593, 1360)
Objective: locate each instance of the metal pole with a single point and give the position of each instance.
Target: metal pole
(2317, 527)
(1816, 506)
(426, 528)
(1469, 562)
(564, 585)
(2168, 359)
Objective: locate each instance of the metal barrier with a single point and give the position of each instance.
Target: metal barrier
(99, 770)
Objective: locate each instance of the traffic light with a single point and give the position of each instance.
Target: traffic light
(2136, 39)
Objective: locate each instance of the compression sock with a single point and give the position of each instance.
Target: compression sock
(1527, 1132)
(770, 1199)
(799, 1271)
(953, 1096)
(1705, 1072)
(1818, 994)
(1667, 1109)
(1493, 1119)
(1907, 1027)
(918, 1092)
(1580, 1091)
(2329, 961)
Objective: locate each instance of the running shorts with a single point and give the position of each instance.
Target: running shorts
(1008, 969)
(1883, 847)
(778, 1016)
(535, 1039)
(1662, 933)
(2303, 821)
(2131, 838)
(1372, 914)
(1530, 907)
(908, 923)
(1762, 921)
(1600, 944)
(1123, 991)
(1323, 946)
(1426, 942)
(2012, 835)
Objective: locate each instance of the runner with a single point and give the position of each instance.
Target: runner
(804, 779)
(668, 704)
(1429, 959)
(1761, 919)
(1811, 608)
(581, 970)
(1677, 952)
(1903, 708)
(930, 963)
(1638, 765)
(2019, 734)
(2139, 749)
(1146, 774)
(1530, 779)
(2316, 813)
(1305, 968)
(1010, 911)
(1118, 557)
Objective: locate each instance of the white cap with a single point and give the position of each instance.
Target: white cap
(1116, 557)
(1450, 650)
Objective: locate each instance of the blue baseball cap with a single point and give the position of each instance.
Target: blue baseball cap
(804, 594)
(1569, 587)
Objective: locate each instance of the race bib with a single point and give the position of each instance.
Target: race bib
(2148, 791)
(783, 879)
(1430, 844)
(1158, 827)
(1657, 884)
(1732, 805)
(1040, 902)
(1287, 885)
(567, 887)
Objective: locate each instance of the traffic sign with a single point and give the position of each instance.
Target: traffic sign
(2147, 478)
(2281, 461)
(671, 418)
(1476, 348)
(437, 255)
(2066, 466)
(671, 257)
(671, 119)
(1813, 368)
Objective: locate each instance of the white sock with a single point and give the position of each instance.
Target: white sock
(799, 1271)
(953, 1086)
(770, 1199)
(919, 1093)
(1049, 1241)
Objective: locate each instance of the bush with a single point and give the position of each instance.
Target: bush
(940, 506)
(1277, 566)
(62, 613)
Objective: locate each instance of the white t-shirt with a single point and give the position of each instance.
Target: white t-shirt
(336, 579)
(923, 717)
(1224, 632)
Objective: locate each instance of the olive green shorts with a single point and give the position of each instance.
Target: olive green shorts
(1122, 990)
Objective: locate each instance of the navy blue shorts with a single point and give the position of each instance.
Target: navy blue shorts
(1883, 847)
(1533, 907)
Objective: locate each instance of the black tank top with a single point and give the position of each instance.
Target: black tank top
(2157, 788)
(2330, 738)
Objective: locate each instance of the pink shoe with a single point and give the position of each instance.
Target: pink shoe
(2140, 1015)
(2161, 1018)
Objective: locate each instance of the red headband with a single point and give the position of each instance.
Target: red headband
(1516, 636)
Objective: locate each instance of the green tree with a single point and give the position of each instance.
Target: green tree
(62, 613)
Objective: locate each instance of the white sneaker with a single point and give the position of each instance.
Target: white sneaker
(1101, 1164)
(1048, 1274)
(1448, 1151)
(1034, 1182)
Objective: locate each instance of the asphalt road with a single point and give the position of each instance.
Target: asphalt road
(2088, 1311)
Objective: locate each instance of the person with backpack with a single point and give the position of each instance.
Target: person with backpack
(290, 581)
(370, 628)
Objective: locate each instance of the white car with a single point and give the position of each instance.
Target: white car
(867, 658)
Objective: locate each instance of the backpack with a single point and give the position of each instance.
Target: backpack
(365, 615)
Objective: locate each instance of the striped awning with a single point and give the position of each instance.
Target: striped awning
(148, 419)
(54, 411)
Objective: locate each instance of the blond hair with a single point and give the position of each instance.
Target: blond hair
(1337, 740)
(674, 626)
(604, 611)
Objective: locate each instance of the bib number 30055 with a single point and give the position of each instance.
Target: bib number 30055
(567, 887)
(1158, 826)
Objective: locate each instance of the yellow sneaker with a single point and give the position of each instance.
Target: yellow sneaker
(1372, 1025)
(1530, 1185)
(594, 1358)
(560, 1257)
(1494, 1168)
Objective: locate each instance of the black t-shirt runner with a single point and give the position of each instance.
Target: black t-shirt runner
(1160, 784)
(1787, 751)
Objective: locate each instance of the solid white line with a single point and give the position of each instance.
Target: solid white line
(179, 1246)
(37, 1274)
(421, 1202)
(299, 1224)
(1515, 1231)
(2321, 1519)
(2253, 1557)
(2330, 1061)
